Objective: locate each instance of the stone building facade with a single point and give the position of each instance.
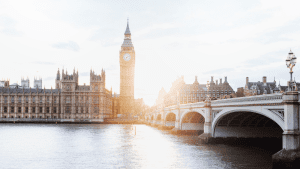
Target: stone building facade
(259, 88)
(264, 87)
(69, 101)
(191, 93)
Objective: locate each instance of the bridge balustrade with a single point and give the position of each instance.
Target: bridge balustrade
(260, 99)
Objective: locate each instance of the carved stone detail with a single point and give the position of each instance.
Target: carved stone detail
(215, 112)
(278, 112)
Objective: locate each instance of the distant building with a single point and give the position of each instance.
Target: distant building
(38, 83)
(160, 99)
(191, 93)
(25, 83)
(259, 88)
(4, 83)
(240, 92)
(115, 105)
(68, 101)
(220, 90)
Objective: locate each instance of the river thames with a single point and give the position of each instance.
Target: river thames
(117, 146)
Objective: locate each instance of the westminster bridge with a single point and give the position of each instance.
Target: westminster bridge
(272, 115)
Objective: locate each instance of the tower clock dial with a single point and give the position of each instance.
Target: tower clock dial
(126, 57)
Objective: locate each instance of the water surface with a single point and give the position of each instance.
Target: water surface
(116, 146)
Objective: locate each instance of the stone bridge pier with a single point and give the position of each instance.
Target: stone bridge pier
(289, 156)
(207, 134)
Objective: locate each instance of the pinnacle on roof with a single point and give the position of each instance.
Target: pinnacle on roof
(127, 32)
(196, 80)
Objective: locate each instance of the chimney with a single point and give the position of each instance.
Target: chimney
(225, 79)
(264, 80)
(220, 81)
(212, 79)
(247, 80)
(216, 82)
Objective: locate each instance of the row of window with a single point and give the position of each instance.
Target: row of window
(68, 99)
(204, 91)
(47, 117)
(19, 99)
(33, 117)
(40, 110)
(198, 94)
(34, 110)
(94, 99)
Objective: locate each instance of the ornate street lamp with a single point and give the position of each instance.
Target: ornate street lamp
(291, 61)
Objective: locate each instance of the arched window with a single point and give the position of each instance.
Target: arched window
(68, 100)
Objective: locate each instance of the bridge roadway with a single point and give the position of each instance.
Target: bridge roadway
(272, 115)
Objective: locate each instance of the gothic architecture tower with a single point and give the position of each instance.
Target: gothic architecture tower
(68, 86)
(57, 80)
(127, 64)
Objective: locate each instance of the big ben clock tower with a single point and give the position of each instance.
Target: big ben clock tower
(127, 64)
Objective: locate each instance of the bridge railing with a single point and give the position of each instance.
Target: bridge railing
(192, 105)
(259, 99)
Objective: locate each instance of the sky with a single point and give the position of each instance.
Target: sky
(189, 38)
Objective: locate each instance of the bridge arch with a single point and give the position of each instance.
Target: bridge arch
(247, 122)
(170, 119)
(158, 117)
(192, 120)
(201, 112)
(170, 116)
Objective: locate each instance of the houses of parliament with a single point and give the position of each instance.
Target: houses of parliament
(69, 101)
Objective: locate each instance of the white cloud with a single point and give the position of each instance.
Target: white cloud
(70, 46)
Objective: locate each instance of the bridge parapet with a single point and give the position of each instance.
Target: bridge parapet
(192, 105)
(251, 100)
(170, 108)
(241, 101)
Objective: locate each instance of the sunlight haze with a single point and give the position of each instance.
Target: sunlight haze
(171, 38)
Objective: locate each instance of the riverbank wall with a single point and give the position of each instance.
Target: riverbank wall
(70, 121)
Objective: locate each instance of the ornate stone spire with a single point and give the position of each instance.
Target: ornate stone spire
(127, 37)
(196, 81)
(127, 32)
(58, 75)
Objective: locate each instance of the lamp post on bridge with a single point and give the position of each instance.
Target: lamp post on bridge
(291, 61)
(289, 156)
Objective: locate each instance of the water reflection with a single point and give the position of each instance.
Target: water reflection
(116, 146)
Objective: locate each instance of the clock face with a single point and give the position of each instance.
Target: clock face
(126, 57)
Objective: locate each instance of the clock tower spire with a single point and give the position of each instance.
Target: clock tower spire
(127, 65)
